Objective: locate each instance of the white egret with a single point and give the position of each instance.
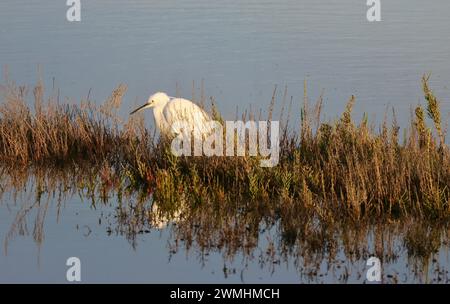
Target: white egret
(169, 110)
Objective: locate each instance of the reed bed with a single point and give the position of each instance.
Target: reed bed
(338, 170)
(342, 189)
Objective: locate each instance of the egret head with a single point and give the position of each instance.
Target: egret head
(155, 100)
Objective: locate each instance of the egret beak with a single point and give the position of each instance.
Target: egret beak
(140, 108)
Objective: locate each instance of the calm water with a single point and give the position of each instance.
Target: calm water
(42, 226)
(239, 50)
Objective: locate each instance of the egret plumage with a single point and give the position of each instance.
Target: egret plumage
(169, 110)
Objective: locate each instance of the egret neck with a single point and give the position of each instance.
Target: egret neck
(160, 119)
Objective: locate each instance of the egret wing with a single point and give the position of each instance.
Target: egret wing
(183, 110)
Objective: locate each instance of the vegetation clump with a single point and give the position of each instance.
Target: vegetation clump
(335, 170)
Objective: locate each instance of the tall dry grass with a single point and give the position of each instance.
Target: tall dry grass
(336, 170)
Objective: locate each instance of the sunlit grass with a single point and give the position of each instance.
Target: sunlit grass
(337, 182)
(339, 169)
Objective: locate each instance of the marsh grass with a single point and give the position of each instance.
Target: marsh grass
(337, 170)
(337, 182)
